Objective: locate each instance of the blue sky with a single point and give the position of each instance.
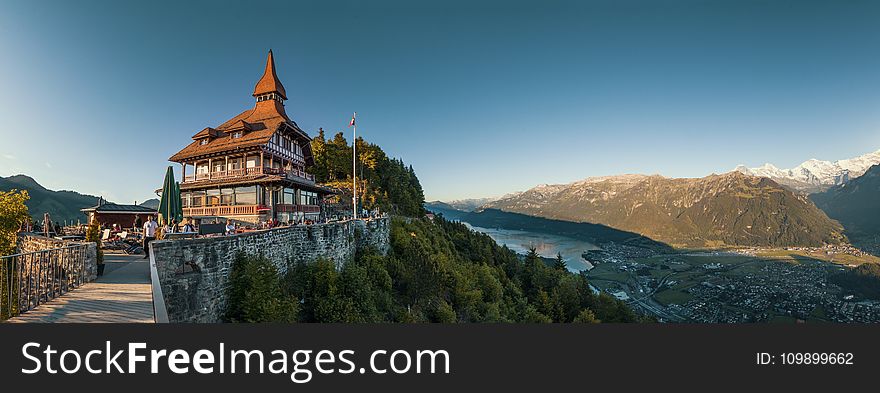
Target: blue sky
(481, 99)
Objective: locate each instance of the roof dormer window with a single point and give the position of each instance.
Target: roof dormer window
(236, 134)
(203, 141)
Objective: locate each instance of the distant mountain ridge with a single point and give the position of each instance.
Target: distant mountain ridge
(152, 203)
(816, 175)
(61, 205)
(465, 205)
(856, 205)
(732, 209)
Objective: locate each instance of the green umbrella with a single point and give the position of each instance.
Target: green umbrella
(170, 206)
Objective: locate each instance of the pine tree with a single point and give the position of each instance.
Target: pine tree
(559, 263)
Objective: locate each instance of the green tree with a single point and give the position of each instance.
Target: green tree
(586, 316)
(93, 235)
(383, 183)
(559, 263)
(443, 313)
(13, 213)
(255, 292)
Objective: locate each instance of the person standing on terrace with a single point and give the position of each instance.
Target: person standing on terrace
(150, 228)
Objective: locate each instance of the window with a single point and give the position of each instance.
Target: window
(252, 161)
(227, 196)
(212, 197)
(202, 168)
(198, 198)
(308, 198)
(236, 134)
(203, 141)
(218, 166)
(289, 196)
(246, 195)
(185, 198)
(234, 163)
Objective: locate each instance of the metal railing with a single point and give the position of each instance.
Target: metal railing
(30, 279)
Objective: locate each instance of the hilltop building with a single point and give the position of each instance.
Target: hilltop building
(252, 167)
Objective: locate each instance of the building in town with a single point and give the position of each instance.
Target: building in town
(252, 167)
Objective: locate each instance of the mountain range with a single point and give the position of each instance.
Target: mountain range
(151, 203)
(856, 205)
(61, 205)
(464, 205)
(816, 175)
(732, 209)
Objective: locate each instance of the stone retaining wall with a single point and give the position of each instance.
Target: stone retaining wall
(194, 273)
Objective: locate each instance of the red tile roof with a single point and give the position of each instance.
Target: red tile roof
(256, 125)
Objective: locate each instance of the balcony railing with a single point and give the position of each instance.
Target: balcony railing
(242, 172)
(236, 210)
(244, 210)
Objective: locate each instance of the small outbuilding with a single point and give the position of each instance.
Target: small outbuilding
(124, 216)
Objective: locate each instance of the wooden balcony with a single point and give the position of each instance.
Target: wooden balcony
(245, 210)
(236, 210)
(244, 172)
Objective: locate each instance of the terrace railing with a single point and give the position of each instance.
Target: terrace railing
(30, 279)
(233, 210)
(243, 172)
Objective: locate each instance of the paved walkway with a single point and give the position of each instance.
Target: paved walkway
(122, 294)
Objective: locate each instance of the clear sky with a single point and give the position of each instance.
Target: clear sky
(481, 99)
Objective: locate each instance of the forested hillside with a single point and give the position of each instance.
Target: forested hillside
(384, 183)
(61, 205)
(436, 271)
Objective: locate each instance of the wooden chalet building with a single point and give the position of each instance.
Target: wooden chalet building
(252, 167)
(107, 213)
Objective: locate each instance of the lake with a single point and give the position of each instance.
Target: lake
(546, 245)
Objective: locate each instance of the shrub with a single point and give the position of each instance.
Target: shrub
(93, 234)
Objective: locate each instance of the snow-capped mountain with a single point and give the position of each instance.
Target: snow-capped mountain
(816, 175)
(465, 205)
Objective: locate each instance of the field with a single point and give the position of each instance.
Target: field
(795, 255)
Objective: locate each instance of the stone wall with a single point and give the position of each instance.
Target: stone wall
(194, 273)
(29, 242)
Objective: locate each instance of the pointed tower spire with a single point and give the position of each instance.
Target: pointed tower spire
(269, 87)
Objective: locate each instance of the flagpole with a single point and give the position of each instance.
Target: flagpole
(354, 167)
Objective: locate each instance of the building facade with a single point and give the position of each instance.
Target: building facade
(252, 168)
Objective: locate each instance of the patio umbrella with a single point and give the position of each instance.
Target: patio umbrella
(170, 206)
